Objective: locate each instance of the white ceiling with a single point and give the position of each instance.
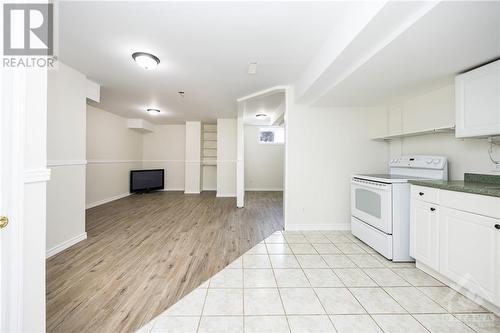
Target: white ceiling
(448, 39)
(272, 105)
(204, 49)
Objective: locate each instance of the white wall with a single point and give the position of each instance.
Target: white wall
(325, 146)
(226, 157)
(66, 158)
(165, 149)
(112, 151)
(431, 110)
(263, 163)
(209, 178)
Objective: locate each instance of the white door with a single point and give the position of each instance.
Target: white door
(424, 231)
(11, 193)
(468, 247)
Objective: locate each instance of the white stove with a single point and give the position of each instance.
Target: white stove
(380, 203)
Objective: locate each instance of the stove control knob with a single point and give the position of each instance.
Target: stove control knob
(428, 161)
(436, 161)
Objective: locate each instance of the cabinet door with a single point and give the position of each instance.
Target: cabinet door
(468, 248)
(477, 101)
(424, 232)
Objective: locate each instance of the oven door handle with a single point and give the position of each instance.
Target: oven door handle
(370, 184)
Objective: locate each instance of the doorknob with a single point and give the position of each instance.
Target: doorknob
(4, 220)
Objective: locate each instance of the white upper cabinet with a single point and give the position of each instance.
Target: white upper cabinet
(477, 102)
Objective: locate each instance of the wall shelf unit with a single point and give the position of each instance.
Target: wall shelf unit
(447, 129)
(209, 144)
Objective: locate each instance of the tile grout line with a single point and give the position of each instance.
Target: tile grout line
(276, 281)
(316, 294)
(204, 303)
(243, 289)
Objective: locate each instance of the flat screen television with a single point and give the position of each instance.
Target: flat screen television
(146, 180)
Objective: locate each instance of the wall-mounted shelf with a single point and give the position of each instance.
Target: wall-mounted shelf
(448, 129)
(209, 145)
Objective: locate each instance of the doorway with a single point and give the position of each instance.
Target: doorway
(262, 146)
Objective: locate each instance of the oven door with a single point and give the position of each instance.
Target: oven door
(371, 202)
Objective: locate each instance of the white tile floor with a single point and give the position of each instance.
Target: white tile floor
(315, 281)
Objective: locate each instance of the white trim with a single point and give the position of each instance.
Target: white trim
(103, 201)
(57, 163)
(192, 192)
(173, 189)
(36, 175)
(329, 226)
(263, 93)
(66, 244)
(267, 189)
(112, 161)
(226, 195)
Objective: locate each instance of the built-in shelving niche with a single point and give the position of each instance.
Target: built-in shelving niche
(209, 156)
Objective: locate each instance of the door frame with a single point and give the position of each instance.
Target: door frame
(23, 173)
(240, 144)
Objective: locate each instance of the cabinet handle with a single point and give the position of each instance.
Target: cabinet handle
(497, 226)
(433, 209)
(420, 193)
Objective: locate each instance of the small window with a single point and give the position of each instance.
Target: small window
(272, 135)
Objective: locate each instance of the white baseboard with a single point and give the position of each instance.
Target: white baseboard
(172, 189)
(263, 190)
(329, 226)
(192, 192)
(64, 245)
(103, 201)
(459, 288)
(226, 195)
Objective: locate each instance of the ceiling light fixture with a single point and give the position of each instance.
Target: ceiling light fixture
(261, 116)
(153, 111)
(145, 60)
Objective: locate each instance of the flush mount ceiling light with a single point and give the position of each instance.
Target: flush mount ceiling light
(153, 111)
(252, 68)
(145, 60)
(261, 116)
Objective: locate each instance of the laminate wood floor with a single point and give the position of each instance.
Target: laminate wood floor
(145, 252)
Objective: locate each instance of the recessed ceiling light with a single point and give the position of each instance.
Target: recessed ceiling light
(252, 68)
(145, 60)
(153, 111)
(261, 116)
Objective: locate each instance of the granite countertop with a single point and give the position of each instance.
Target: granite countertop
(472, 183)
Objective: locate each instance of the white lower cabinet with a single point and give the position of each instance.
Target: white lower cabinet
(468, 247)
(462, 246)
(424, 232)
